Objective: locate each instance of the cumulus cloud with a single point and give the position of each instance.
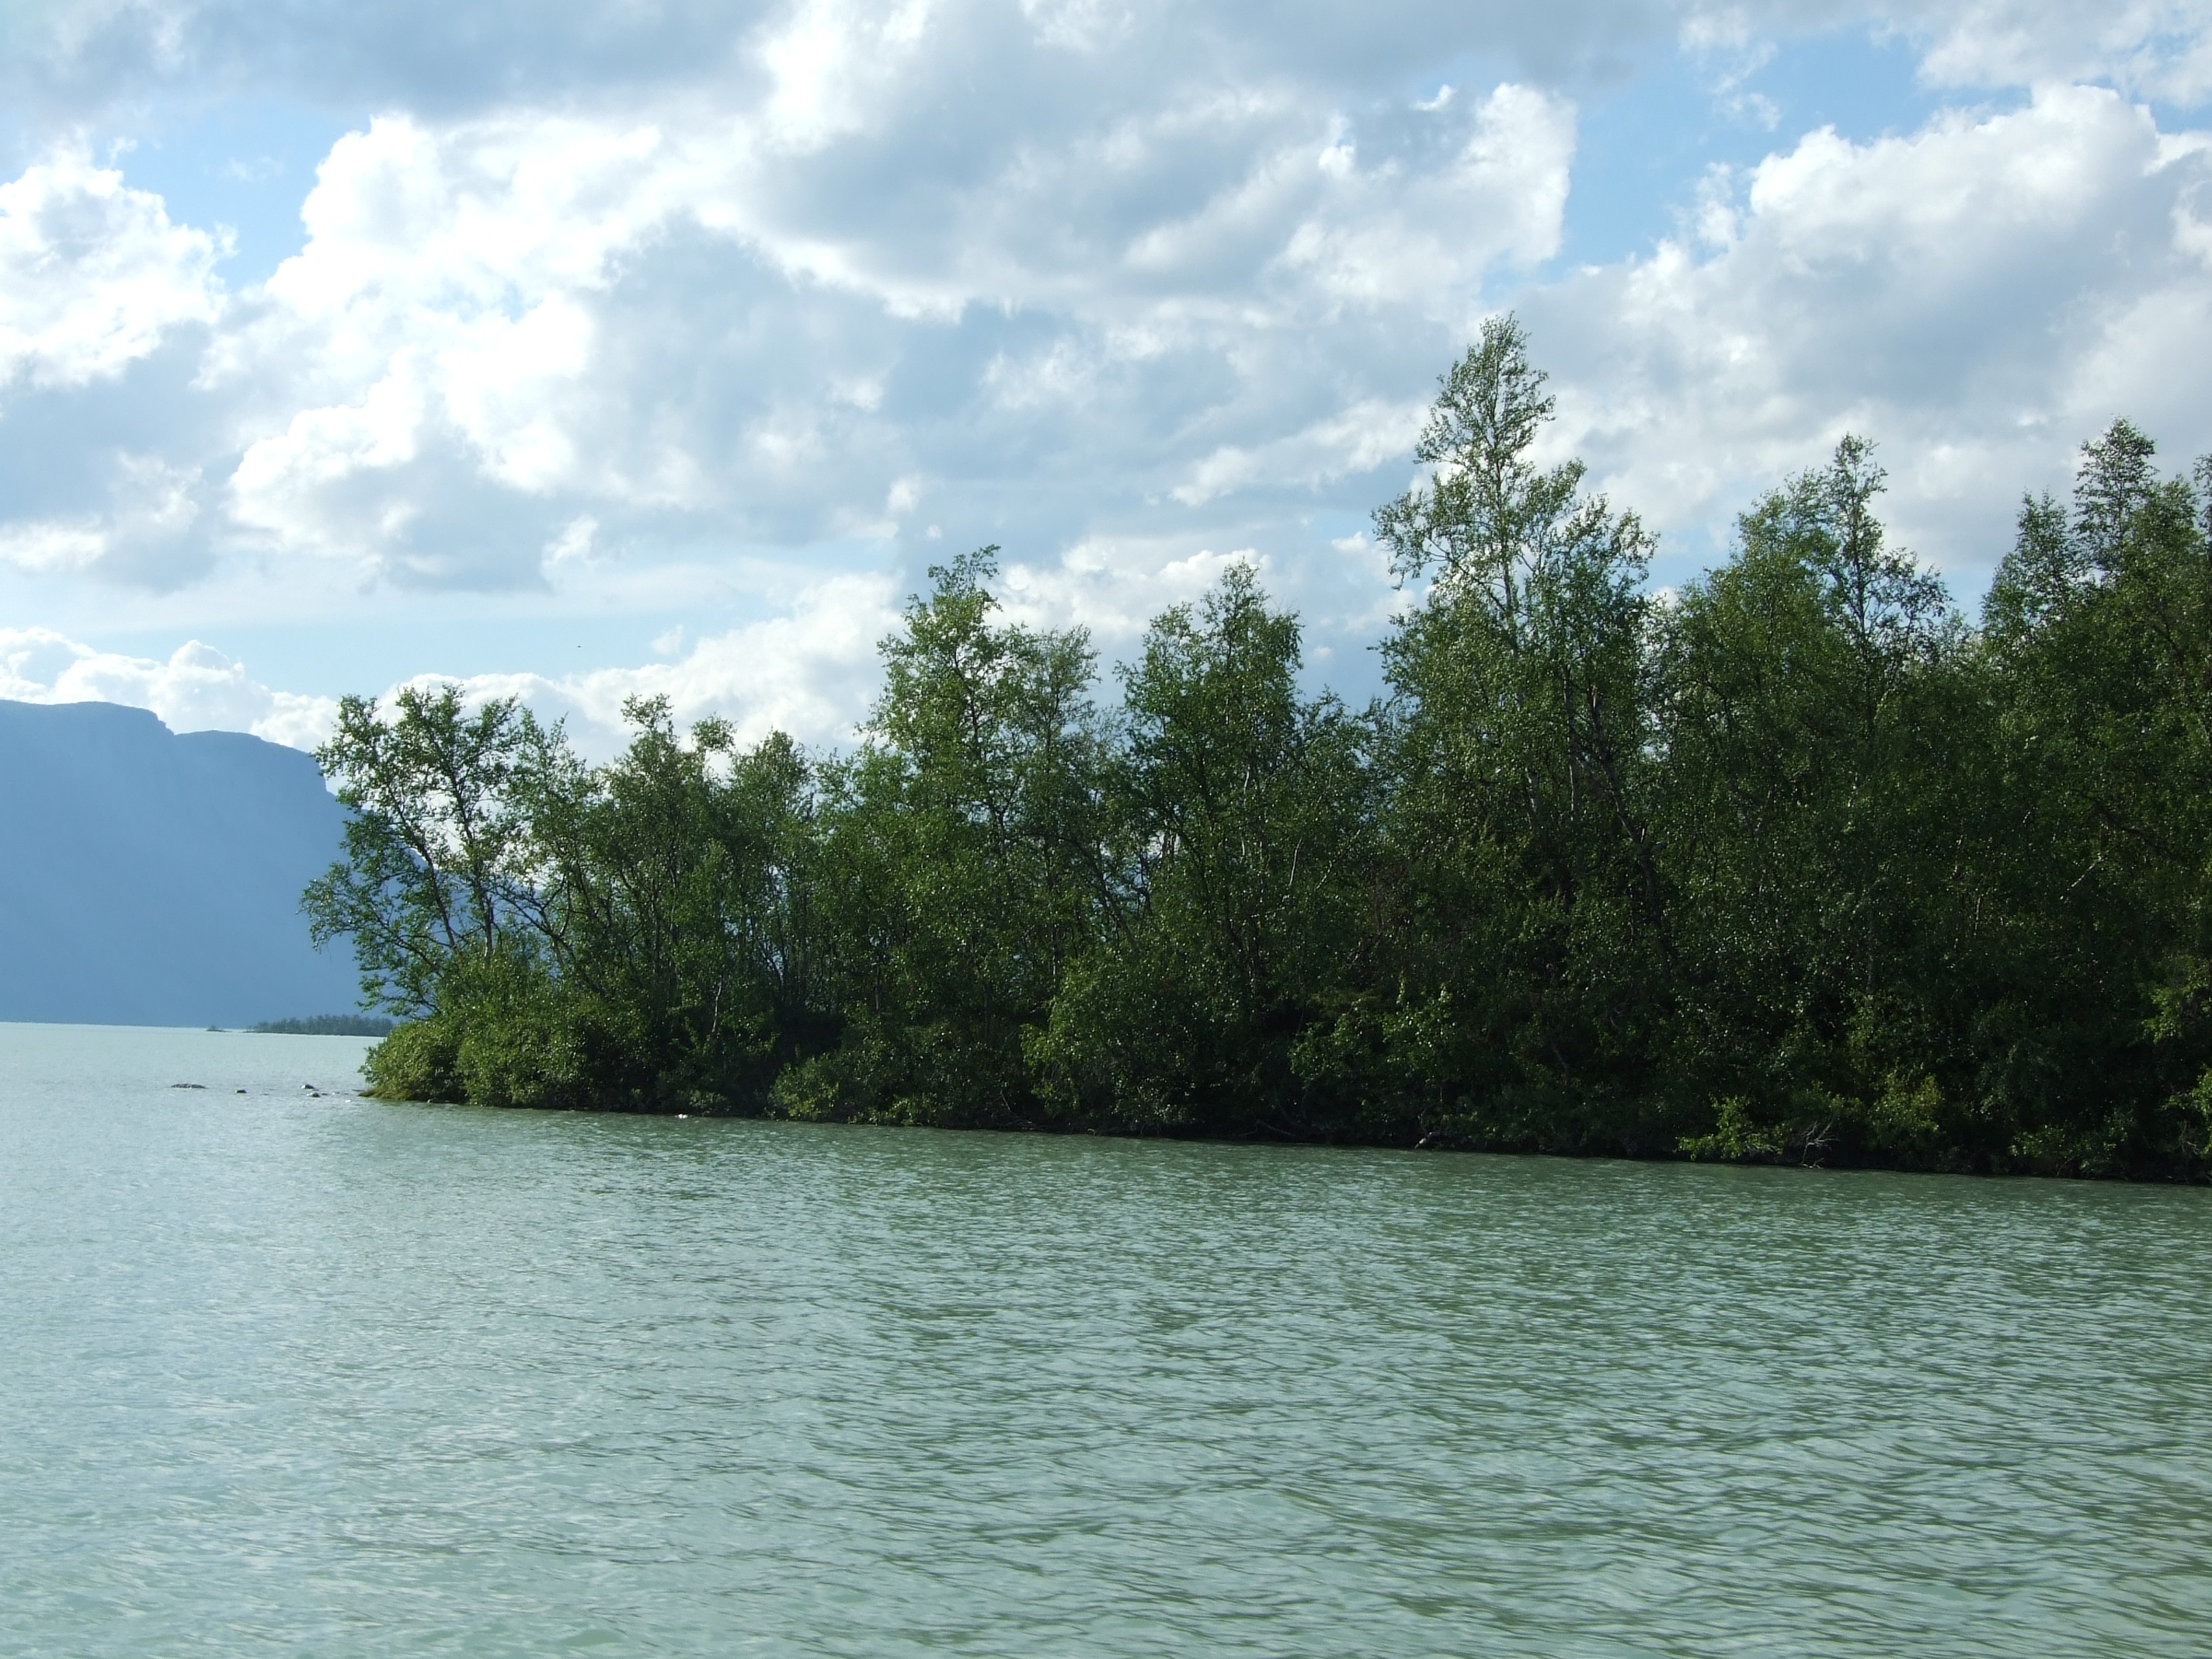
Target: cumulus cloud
(1356, 439)
(2150, 48)
(150, 505)
(1112, 587)
(625, 299)
(447, 58)
(832, 60)
(2156, 48)
(1176, 283)
(498, 295)
(196, 689)
(809, 673)
(1979, 295)
(93, 273)
(813, 671)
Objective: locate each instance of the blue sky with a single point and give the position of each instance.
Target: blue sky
(579, 351)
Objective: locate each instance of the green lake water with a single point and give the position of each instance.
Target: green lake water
(300, 1373)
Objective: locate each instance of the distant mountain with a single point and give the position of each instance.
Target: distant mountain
(150, 878)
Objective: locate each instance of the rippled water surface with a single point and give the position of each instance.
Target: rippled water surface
(288, 1371)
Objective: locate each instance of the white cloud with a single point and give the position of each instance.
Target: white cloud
(683, 300)
(93, 273)
(1176, 278)
(832, 64)
(1114, 586)
(1426, 239)
(498, 324)
(811, 672)
(196, 689)
(51, 545)
(1978, 296)
(2153, 48)
(1356, 439)
(2158, 48)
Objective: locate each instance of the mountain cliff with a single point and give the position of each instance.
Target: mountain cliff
(149, 877)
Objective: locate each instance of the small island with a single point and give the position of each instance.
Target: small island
(368, 1025)
(1796, 864)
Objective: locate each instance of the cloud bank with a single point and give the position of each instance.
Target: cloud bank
(648, 308)
(196, 689)
(1981, 296)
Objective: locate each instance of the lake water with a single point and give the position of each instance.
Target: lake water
(284, 1371)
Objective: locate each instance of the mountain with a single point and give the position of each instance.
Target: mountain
(153, 878)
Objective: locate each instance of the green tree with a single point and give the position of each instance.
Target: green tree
(2098, 627)
(1790, 865)
(440, 860)
(1532, 934)
(1826, 778)
(960, 864)
(1238, 828)
(677, 886)
(438, 888)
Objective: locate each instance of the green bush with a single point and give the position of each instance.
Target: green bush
(420, 1060)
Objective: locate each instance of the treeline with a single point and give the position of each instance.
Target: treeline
(1792, 864)
(370, 1025)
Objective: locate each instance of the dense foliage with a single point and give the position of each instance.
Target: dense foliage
(1794, 863)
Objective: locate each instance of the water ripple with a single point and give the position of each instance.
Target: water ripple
(301, 1374)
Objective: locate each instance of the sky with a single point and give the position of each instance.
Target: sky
(659, 347)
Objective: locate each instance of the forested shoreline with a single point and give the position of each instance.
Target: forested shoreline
(1793, 865)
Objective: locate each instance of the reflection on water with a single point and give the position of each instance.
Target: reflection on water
(300, 1373)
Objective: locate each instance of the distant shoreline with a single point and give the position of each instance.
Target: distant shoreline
(368, 1025)
(130, 1025)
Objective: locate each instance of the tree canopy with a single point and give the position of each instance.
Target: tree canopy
(1795, 864)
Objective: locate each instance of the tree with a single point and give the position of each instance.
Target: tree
(439, 858)
(1238, 820)
(1533, 934)
(1790, 865)
(2099, 630)
(1825, 818)
(679, 880)
(960, 863)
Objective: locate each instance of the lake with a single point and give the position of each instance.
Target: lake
(283, 1370)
